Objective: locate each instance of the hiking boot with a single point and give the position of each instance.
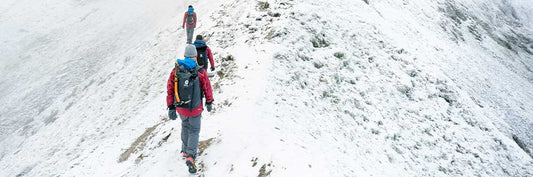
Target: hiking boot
(183, 154)
(190, 163)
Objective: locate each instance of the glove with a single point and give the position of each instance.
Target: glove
(182, 27)
(209, 106)
(172, 112)
(212, 68)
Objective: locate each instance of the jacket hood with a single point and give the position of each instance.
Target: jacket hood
(188, 63)
(199, 43)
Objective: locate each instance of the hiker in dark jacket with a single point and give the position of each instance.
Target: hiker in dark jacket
(190, 116)
(204, 53)
(189, 19)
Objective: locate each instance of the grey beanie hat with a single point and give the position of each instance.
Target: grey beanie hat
(190, 51)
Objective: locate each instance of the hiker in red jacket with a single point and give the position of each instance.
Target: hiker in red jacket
(204, 53)
(190, 18)
(185, 87)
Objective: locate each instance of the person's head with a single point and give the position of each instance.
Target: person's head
(199, 37)
(190, 6)
(190, 52)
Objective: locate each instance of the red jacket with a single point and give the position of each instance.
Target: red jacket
(205, 85)
(185, 20)
(210, 56)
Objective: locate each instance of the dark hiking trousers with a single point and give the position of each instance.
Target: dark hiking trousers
(190, 132)
(190, 33)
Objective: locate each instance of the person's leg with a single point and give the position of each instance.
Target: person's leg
(185, 128)
(192, 34)
(194, 135)
(190, 31)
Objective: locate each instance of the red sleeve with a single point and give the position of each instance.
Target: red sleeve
(194, 25)
(210, 56)
(206, 86)
(170, 89)
(184, 18)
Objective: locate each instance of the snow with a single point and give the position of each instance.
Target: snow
(522, 10)
(329, 88)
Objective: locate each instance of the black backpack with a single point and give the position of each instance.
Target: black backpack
(202, 56)
(190, 18)
(187, 88)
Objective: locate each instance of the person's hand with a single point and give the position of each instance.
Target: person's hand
(172, 112)
(182, 27)
(212, 68)
(209, 106)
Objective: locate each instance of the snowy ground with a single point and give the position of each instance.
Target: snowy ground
(302, 88)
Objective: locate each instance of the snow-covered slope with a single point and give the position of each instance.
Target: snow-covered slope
(302, 88)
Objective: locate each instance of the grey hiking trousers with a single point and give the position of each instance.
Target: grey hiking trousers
(190, 33)
(190, 132)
